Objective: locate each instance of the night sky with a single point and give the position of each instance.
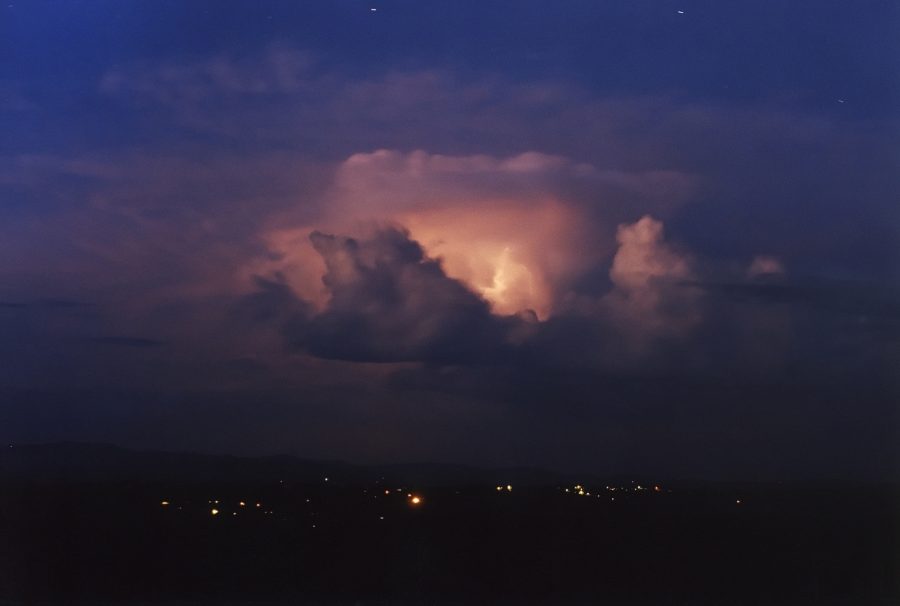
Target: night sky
(633, 236)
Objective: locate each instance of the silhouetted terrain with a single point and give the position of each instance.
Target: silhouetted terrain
(98, 523)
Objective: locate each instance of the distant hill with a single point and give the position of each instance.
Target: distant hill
(81, 462)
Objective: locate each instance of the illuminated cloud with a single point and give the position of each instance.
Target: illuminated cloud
(390, 302)
(643, 257)
(764, 265)
(648, 298)
(496, 223)
(518, 230)
(387, 300)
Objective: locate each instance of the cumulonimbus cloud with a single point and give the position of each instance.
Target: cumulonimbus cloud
(520, 230)
(391, 303)
(644, 271)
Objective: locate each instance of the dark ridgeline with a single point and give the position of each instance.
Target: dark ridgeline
(88, 522)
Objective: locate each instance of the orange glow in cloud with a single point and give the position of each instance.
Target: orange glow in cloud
(508, 254)
(512, 255)
(511, 243)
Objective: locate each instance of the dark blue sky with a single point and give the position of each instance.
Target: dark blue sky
(656, 236)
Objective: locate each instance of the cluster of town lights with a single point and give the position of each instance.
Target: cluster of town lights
(581, 491)
(415, 500)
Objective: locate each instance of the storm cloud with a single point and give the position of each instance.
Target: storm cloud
(610, 234)
(390, 303)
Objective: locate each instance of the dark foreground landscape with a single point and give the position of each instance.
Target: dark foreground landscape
(96, 523)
